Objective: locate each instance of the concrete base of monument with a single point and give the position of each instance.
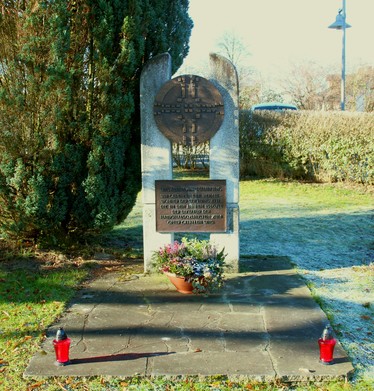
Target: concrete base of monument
(263, 325)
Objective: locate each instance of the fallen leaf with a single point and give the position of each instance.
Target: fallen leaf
(35, 385)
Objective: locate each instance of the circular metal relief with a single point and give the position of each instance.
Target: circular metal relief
(188, 110)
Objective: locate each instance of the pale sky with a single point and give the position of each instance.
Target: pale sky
(279, 33)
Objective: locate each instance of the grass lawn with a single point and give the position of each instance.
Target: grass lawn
(326, 230)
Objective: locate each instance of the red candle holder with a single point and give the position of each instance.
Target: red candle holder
(326, 347)
(62, 346)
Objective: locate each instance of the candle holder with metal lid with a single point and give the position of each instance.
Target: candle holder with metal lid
(326, 346)
(62, 346)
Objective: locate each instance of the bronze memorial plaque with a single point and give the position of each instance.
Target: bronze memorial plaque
(191, 206)
(188, 110)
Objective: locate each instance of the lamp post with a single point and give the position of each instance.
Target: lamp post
(341, 24)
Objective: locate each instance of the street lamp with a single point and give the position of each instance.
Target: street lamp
(341, 24)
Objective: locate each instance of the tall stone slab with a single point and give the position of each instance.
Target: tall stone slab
(224, 154)
(156, 153)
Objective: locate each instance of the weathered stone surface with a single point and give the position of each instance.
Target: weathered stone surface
(155, 151)
(224, 154)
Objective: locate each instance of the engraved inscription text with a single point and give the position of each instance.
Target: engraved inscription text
(191, 206)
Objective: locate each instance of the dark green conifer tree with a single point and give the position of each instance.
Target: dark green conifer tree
(69, 108)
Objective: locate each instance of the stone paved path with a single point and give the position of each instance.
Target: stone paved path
(263, 325)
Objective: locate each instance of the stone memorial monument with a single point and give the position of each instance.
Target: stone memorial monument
(189, 110)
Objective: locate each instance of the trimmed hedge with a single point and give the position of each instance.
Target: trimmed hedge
(310, 145)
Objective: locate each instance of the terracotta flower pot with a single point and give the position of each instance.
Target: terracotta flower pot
(180, 283)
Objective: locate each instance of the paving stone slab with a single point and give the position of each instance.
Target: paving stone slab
(263, 325)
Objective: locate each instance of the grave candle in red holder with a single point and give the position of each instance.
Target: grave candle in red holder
(326, 347)
(62, 346)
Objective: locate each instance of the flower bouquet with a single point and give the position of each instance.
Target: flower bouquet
(197, 261)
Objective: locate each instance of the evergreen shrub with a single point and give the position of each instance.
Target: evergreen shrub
(69, 109)
(310, 145)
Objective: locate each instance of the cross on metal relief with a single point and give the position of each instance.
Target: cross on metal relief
(188, 110)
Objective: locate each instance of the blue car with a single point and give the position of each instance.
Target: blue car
(273, 106)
